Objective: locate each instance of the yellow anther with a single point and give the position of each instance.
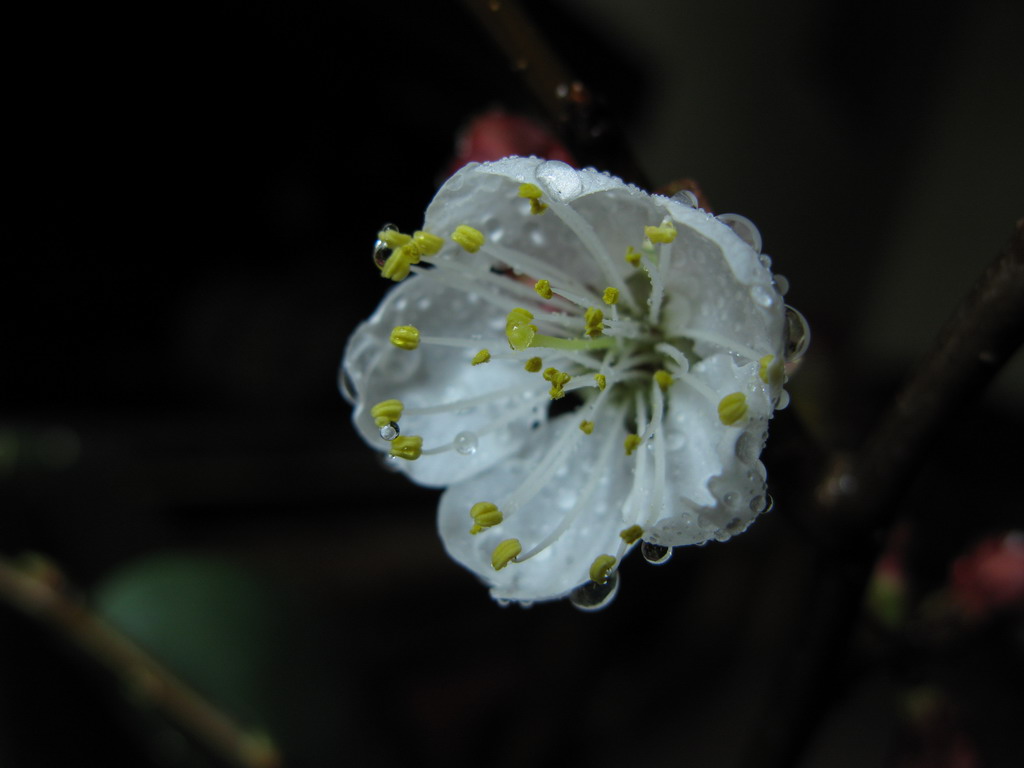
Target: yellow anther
(396, 267)
(601, 567)
(405, 336)
(386, 411)
(534, 364)
(505, 553)
(558, 380)
(482, 356)
(532, 193)
(485, 515)
(518, 329)
(771, 371)
(426, 243)
(631, 534)
(469, 238)
(732, 408)
(602, 381)
(665, 233)
(392, 238)
(633, 256)
(407, 447)
(586, 426)
(594, 319)
(611, 295)
(631, 444)
(664, 379)
(543, 288)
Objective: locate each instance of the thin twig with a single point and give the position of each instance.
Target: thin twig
(38, 590)
(859, 497)
(569, 104)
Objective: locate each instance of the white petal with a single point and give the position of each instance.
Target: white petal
(564, 565)
(431, 376)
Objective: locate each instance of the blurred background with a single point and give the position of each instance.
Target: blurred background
(193, 195)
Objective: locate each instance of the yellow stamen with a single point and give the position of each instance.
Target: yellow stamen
(386, 411)
(407, 447)
(665, 233)
(611, 295)
(405, 336)
(485, 515)
(532, 193)
(558, 380)
(587, 426)
(482, 356)
(732, 408)
(664, 379)
(505, 553)
(518, 329)
(534, 364)
(602, 381)
(771, 371)
(392, 238)
(426, 243)
(397, 265)
(631, 444)
(543, 288)
(469, 238)
(594, 319)
(633, 256)
(600, 568)
(632, 534)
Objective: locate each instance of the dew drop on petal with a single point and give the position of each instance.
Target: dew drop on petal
(655, 554)
(686, 197)
(560, 179)
(781, 284)
(769, 504)
(389, 431)
(593, 596)
(743, 227)
(763, 296)
(783, 401)
(798, 335)
(465, 443)
(380, 249)
(757, 504)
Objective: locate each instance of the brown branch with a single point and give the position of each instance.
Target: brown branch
(858, 500)
(38, 590)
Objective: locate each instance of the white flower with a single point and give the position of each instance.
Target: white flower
(653, 329)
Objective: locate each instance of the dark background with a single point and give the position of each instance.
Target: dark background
(192, 199)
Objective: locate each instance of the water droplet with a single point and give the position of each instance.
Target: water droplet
(730, 499)
(798, 335)
(380, 249)
(389, 431)
(593, 596)
(465, 443)
(686, 197)
(743, 227)
(763, 295)
(746, 447)
(655, 554)
(783, 401)
(781, 284)
(769, 504)
(560, 179)
(757, 504)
